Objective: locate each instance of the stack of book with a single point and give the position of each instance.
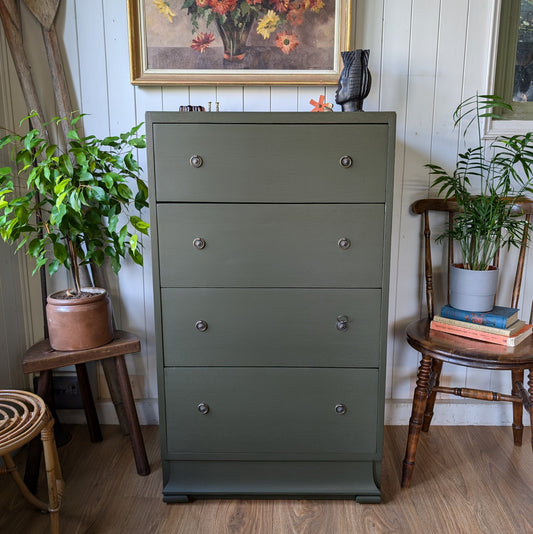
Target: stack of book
(501, 325)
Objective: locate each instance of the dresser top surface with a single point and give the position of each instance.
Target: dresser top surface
(366, 117)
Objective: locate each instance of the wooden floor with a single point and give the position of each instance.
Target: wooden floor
(466, 480)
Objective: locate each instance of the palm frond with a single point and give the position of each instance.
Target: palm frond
(504, 169)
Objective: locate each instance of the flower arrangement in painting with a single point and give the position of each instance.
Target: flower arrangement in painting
(277, 20)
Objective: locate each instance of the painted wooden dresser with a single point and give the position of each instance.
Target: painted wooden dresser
(271, 238)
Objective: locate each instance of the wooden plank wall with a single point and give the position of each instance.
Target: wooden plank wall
(425, 56)
(11, 320)
(17, 321)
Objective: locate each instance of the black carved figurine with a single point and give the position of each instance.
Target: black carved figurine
(354, 81)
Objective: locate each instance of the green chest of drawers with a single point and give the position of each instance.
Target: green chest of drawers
(271, 238)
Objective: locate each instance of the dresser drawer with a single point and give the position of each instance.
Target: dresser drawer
(270, 245)
(271, 411)
(271, 327)
(270, 162)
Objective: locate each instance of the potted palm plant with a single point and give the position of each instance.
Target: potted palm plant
(487, 182)
(69, 209)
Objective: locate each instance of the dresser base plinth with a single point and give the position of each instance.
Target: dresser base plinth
(215, 479)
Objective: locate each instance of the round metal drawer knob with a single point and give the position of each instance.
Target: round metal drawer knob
(203, 408)
(340, 409)
(199, 243)
(342, 323)
(201, 326)
(344, 243)
(196, 161)
(346, 162)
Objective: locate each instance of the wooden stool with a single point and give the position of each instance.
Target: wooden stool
(23, 416)
(41, 358)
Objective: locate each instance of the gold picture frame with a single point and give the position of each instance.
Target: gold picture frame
(224, 42)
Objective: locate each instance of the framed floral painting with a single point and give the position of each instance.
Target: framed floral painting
(238, 41)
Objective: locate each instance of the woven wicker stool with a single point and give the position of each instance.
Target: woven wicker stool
(23, 416)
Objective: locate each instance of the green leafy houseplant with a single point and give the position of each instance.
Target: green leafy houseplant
(486, 181)
(73, 208)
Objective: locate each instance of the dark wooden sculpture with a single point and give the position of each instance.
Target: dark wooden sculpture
(355, 80)
(437, 348)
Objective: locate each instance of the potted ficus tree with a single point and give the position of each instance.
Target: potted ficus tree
(487, 182)
(69, 209)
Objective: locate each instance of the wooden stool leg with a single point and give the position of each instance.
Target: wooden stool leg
(110, 372)
(53, 476)
(530, 407)
(33, 459)
(518, 427)
(11, 468)
(88, 403)
(436, 369)
(45, 391)
(137, 442)
(417, 418)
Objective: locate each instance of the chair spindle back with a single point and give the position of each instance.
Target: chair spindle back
(426, 206)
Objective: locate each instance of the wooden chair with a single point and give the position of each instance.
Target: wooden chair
(437, 348)
(23, 416)
(41, 358)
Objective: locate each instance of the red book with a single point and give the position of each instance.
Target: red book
(510, 341)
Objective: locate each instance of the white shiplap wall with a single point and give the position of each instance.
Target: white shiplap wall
(425, 56)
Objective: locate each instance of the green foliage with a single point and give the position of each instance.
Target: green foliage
(504, 172)
(74, 206)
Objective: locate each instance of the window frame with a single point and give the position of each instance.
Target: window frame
(503, 60)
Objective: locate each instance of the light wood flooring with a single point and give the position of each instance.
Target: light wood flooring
(467, 480)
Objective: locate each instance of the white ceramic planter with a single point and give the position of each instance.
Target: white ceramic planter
(472, 290)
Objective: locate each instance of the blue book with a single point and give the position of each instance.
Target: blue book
(499, 317)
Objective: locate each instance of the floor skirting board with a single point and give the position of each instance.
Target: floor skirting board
(147, 412)
(454, 412)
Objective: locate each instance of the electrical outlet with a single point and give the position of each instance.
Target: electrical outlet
(65, 391)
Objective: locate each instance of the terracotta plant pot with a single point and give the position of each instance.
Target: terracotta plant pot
(472, 290)
(79, 323)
